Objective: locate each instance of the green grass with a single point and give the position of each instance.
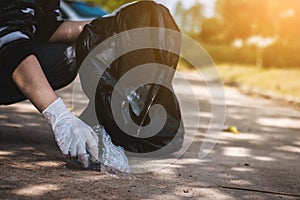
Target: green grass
(283, 82)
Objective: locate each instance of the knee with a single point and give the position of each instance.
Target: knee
(65, 76)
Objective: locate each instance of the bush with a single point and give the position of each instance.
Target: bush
(229, 54)
(277, 55)
(282, 55)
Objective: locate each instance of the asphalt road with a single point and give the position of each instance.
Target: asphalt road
(262, 162)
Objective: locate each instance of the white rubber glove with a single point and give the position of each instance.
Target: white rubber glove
(72, 135)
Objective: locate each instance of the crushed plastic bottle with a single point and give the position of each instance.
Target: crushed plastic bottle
(111, 157)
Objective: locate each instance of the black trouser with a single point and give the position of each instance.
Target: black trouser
(58, 63)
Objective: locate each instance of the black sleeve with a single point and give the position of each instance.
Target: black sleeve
(13, 54)
(14, 17)
(38, 26)
(47, 15)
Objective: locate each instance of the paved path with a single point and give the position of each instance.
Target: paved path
(262, 162)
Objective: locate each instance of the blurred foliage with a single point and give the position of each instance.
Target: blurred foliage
(282, 55)
(110, 5)
(212, 31)
(189, 19)
(228, 54)
(279, 54)
(241, 20)
(244, 18)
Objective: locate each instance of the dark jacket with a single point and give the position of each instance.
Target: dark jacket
(23, 23)
(34, 18)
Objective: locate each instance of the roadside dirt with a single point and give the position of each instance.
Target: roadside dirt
(262, 162)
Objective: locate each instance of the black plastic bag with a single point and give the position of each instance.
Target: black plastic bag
(128, 17)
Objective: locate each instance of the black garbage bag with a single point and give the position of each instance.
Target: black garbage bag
(139, 100)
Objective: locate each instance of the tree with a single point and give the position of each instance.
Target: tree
(289, 24)
(189, 19)
(271, 18)
(212, 31)
(180, 15)
(244, 18)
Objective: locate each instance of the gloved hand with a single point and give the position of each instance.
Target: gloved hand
(71, 134)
